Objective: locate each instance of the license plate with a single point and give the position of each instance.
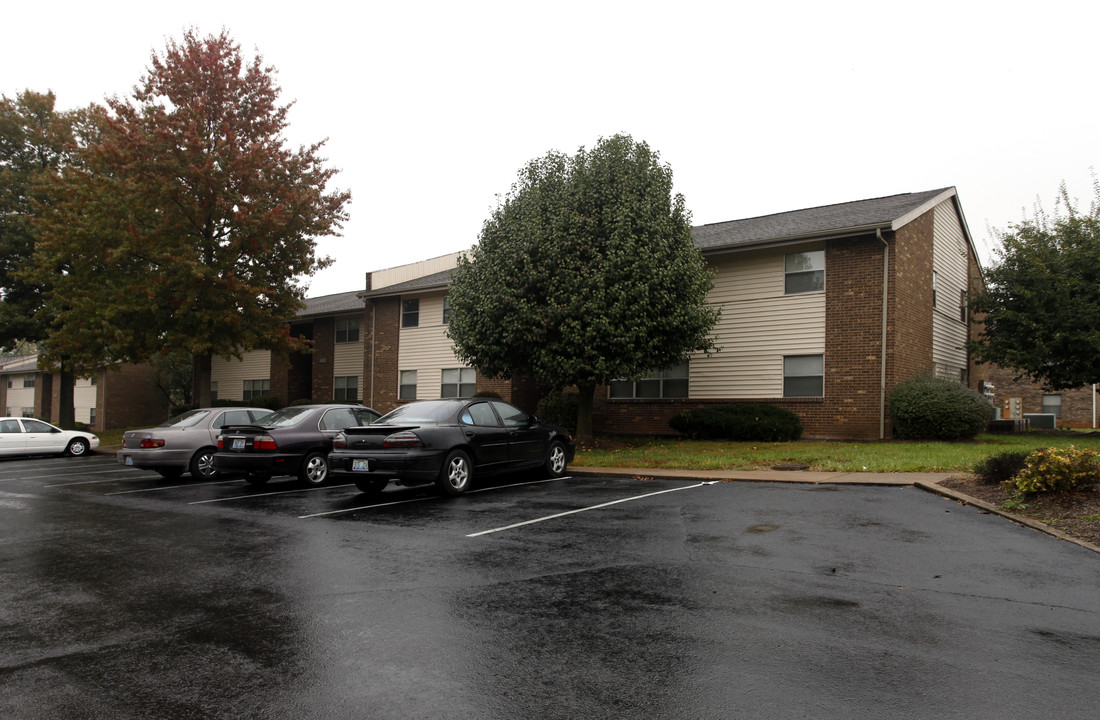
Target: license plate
(238, 443)
(360, 465)
(129, 460)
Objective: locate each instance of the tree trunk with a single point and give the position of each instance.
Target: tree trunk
(584, 415)
(200, 382)
(66, 398)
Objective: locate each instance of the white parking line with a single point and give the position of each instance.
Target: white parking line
(586, 509)
(422, 499)
(280, 492)
(170, 487)
(90, 482)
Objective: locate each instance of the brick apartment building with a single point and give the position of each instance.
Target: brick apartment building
(823, 311)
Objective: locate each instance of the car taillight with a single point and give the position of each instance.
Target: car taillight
(151, 442)
(401, 440)
(221, 443)
(264, 442)
(339, 441)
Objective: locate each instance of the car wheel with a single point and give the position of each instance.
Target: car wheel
(457, 472)
(255, 478)
(77, 447)
(170, 473)
(371, 487)
(314, 469)
(555, 460)
(202, 465)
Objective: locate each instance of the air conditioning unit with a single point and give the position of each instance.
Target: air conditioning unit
(1042, 421)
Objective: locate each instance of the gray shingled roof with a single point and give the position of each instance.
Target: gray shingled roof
(810, 222)
(332, 304)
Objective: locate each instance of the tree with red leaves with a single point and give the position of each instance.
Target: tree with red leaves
(189, 223)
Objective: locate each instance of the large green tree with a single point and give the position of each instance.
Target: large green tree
(189, 223)
(585, 273)
(1041, 305)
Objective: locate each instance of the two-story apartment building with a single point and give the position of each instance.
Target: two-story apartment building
(822, 311)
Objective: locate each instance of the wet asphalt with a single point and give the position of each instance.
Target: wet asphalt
(123, 595)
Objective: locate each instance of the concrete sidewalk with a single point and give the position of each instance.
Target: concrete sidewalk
(930, 482)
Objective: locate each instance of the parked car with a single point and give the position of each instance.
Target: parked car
(27, 436)
(185, 443)
(293, 441)
(449, 442)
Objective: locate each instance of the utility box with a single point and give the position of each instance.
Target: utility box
(1043, 421)
(1012, 409)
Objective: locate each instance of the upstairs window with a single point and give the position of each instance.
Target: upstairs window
(804, 272)
(962, 306)
(28, 381)
(347, 330)
(410, 313)
(446, 311)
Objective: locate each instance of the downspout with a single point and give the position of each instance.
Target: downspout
(882, 371)
(372, 346)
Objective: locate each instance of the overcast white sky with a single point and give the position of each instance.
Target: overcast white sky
(431, 108)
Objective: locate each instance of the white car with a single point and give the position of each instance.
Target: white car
(27, 436)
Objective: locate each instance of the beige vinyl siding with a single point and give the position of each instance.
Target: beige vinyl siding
(19, 397)
(949, 260)
(759, 325)
(230, 374)
(84, 399)
(347, 360)
(426, 348)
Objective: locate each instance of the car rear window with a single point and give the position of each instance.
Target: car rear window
(187, 419)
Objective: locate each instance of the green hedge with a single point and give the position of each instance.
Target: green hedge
(739, 421)
(560, 408)
(929, 408)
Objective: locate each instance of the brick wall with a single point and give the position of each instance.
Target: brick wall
(387, 336)
(324, 345)
(853, 340)
(1077, 404)
(129, 397)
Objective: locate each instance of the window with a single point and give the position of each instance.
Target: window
(28, 381)
(480, 414)
(407, 388)
(347, 330)
(1052, 404)
(92, 381)
(91, 416)
(345, 388)
(510, 415)
(458, 382)
(256, 388)
(962, 305)
(410, 313)
(933, 288)
(37, 426)
(671, 383)
(214, 391)
(804, 272)
(338, 419)
(232, 417)
(27, 412)
(10, 427)
(446, 311)
(804, 376)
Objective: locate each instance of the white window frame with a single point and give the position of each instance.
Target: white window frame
(346, 328)
(410, 317)
(255, 388)
(789, 375)
(667, 382)
(406, 385)
(342, 384)
(800, 272)
(463, 380)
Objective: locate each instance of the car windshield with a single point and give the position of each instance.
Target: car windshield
(287, 417)
(431, 411)
(187, 419)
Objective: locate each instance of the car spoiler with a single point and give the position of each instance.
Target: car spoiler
(378, 429)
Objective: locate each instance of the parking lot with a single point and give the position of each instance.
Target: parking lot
(126, 595)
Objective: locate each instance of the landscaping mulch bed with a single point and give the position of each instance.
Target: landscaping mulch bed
(1075, 513)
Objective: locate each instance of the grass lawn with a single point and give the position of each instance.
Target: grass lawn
(828, 456)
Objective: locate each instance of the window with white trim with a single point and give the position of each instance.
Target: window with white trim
(446, 311)
(804, 272)
(347, 330)
(458, 382)
(406, 389)
(804, 376)
(345, 387)
(671, 383)
(28, 381)
(1052, 404)
(256, 388)
(410, 313)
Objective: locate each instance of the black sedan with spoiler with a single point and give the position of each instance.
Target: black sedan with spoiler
(293, 441)
(448, 442)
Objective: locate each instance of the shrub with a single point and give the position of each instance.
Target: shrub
(1056, 469)
(560, 408)
(739, 421)
(264, 401)
(929, 408)
(998, 468)
(488, 394)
